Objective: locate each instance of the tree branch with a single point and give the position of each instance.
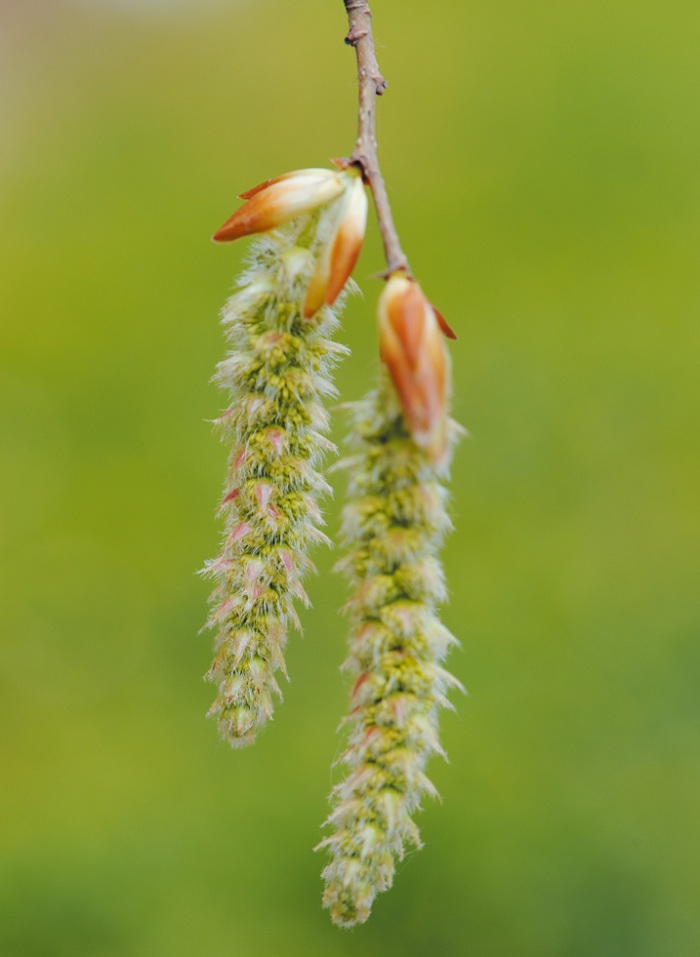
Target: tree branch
(371, 85)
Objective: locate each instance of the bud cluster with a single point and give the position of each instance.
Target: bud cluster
(278, 374)
(393, 525)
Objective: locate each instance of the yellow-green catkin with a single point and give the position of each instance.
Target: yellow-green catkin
(277, 374)
(393, 525)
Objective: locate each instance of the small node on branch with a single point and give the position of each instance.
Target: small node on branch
(354, 37)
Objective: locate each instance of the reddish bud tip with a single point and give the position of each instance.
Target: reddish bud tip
(442, 322)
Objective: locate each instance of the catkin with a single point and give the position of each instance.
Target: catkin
(277, 374)
(393, 525)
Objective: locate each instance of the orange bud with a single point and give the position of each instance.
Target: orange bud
(339, 254)
(275, 202)
(348, 239)
(412, 347)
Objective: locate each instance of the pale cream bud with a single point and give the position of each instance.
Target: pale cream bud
(275, 202)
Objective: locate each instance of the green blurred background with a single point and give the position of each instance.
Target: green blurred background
(543, 161)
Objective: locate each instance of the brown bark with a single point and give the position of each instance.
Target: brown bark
(371, 85)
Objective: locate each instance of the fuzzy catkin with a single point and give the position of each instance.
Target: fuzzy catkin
(277, 374)
(393, 525)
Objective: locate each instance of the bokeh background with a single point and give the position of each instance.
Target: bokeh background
(543, 161)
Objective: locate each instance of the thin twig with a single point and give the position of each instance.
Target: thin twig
(371, 85)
